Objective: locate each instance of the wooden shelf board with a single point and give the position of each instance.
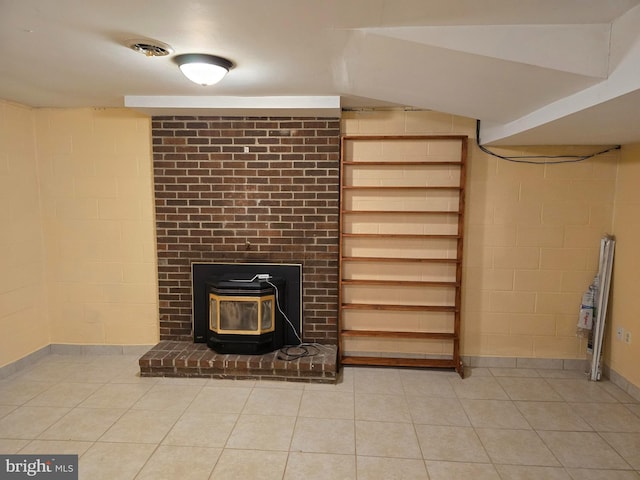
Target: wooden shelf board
(409, 308)
(405, 137)
(399, 334)
(451, 261)
(404, 283)
(399, 361)
(402, 187)
(401, 164)
(401, 235)
(401, 212)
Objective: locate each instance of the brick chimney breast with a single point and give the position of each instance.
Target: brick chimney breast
(247, 190)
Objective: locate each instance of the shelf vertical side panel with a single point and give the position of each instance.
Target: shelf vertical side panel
(459, 256)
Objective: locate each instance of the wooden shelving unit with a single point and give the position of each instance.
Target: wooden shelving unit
(401, 238)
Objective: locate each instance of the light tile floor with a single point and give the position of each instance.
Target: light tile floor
(375, 424)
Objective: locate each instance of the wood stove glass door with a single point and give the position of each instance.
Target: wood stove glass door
(243, 315)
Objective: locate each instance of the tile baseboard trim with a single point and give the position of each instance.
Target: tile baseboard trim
(24, 362)
(67, 349)
(621, 382)
(523, 362)
(552, 364)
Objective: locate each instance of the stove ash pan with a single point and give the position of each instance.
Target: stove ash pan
(243, 314)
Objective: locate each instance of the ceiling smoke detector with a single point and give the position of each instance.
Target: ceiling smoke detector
(150, 48)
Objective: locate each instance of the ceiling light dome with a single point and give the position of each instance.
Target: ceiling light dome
(203, 69)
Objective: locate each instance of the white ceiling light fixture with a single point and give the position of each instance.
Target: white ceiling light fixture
(203, 69)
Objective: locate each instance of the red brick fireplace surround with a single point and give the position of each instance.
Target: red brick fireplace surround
(245, 190)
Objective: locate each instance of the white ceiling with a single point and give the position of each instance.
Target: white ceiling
(532, 71)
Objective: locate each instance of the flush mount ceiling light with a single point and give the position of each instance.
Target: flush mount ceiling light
(203, 69)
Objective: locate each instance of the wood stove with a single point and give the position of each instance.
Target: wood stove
(244, 316)
(286, 277)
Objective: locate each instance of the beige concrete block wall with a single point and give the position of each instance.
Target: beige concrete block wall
(97, 198)
(531, 242)
(24, 325)
(624, 357)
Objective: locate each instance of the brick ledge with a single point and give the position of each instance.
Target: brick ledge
(187, 359)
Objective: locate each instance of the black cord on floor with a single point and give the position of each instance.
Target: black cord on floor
(294, 352)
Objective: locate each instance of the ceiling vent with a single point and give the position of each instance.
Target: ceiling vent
(150, 48)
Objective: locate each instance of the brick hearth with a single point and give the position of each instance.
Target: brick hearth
(188, 359)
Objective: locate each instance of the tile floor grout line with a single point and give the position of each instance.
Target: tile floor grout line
(614, 449)
(158, 444)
